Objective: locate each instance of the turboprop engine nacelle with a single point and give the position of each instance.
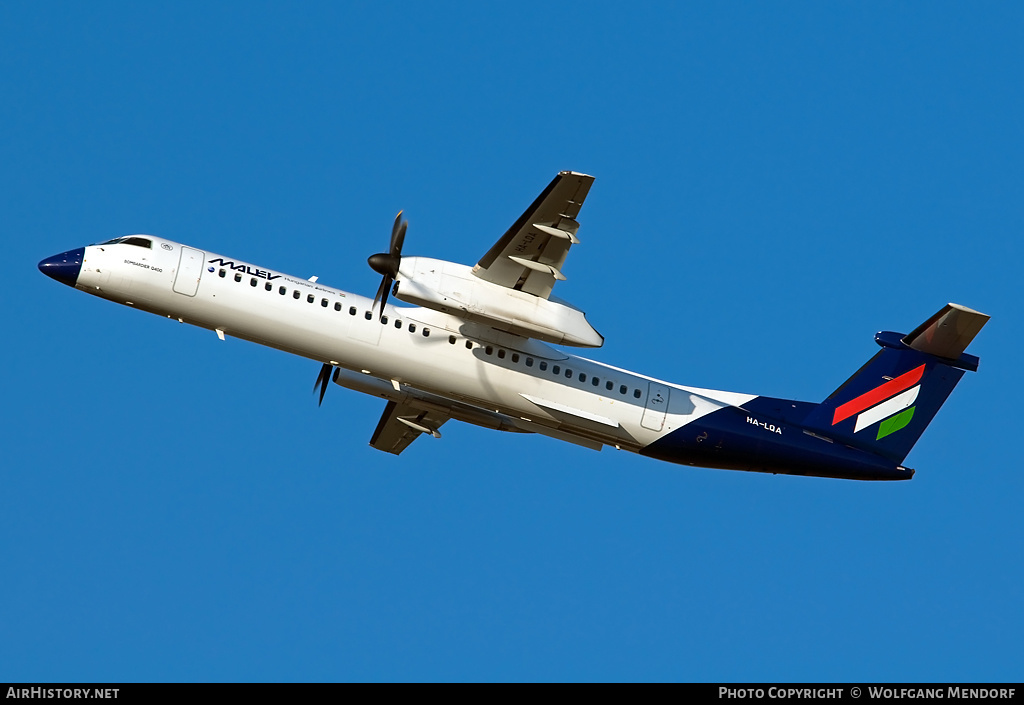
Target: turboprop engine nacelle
(453, 288)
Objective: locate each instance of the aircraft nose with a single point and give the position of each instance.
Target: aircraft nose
(64, 267)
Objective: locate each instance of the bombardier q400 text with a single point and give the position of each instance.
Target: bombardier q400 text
(473, 345)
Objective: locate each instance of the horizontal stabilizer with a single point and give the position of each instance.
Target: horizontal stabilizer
(948, 333)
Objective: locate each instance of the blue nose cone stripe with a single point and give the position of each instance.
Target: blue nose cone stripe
(64, 267)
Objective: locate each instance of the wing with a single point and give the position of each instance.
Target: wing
(529, 257)
(401, 424)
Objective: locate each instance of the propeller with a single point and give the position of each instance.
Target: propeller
(386, 263)
(322, 380)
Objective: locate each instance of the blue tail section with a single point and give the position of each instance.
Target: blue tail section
(863, 431)
(887, 404)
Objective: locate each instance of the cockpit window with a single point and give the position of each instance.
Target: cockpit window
(130, 240)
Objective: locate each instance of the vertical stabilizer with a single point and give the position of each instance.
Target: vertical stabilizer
(887, 404)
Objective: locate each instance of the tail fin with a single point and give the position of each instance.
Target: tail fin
(886, 405)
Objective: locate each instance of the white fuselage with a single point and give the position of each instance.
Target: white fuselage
(515, 383)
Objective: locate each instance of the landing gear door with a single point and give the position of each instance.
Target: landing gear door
(657, 406)
(190, 268)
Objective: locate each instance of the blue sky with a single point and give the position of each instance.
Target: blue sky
(775, 183)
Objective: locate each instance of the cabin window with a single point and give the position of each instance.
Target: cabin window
(451, 339)
(469, 345)
(623, 389)
(221, 273)
(238, 276)
(310, 298)
(488, 350)
(583, 377)
(568, 373)
(282, 290)
(596, 381)
(383, 320)
(351, 310)
(515, 357)
(368, 315)
(426, 332)
(636, 393)
(609, 385)
(324, 302)
(253, 282)
(296, 294)
(501, 354)
(138, 242)
(268, 286)
(412, 327)
(398, 324)
(543, 365)
(529, 362)
(556, 369)
(337, 305)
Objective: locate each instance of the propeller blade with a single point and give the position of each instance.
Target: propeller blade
(394, 229)
(322, 381)
(382, 294)
(398, 239)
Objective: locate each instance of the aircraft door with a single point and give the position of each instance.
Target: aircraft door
(656, 408)
(190, 268)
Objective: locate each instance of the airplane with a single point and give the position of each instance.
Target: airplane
(475, 344)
